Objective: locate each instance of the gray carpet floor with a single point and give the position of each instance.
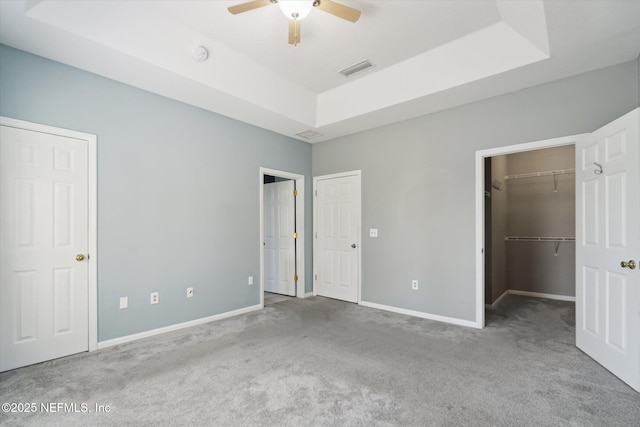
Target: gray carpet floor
(321, 362)
(271, 298)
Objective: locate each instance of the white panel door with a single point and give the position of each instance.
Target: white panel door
(336, 258)
(279, 242)
(43, 227)
(608, 234)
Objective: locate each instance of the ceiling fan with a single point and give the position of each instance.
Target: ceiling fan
(296, 10)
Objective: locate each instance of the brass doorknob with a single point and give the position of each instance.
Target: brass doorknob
(631, 264)
(79, 257)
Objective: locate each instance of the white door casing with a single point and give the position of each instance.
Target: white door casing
(607, 233)
(337, 236)
(47, 297)
(481, 199)
(279, 242)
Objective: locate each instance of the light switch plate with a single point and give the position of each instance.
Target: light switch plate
(373, 232)
(124, 302)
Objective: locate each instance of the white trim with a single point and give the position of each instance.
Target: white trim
(300, 252)
(499, 299)
(92, 204)
(530, 294)
(177, 326)
(93, 241)
(480, 200)
(541, 295)
(309, 294)
(445, 319)
(358, 174)
(337, 175)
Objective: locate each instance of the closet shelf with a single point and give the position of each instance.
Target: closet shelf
(556, 240)
(540, 239)
(544, 173)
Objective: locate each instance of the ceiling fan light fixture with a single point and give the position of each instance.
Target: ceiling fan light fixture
(295, 9)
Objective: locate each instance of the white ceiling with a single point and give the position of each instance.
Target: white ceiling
(428, 55)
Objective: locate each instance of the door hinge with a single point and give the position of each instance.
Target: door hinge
(295, 235)
(316, 277)
(295, 278)
(295, 193)
(316, 193)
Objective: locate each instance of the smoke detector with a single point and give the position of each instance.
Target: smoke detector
(200, 53)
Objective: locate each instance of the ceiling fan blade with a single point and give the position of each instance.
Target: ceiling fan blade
(339, 10)
(294, 32)
(245, 7)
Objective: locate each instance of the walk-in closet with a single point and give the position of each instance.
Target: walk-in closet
(530, 224)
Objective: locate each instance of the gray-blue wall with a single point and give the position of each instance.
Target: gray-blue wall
(178, 191)
(418, 181)
(178, 187)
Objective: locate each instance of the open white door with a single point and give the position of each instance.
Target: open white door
(607, 241)
(279, 241)
(44, 276)
(337, 236)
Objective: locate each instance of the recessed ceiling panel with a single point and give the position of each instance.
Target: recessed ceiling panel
(429, 55)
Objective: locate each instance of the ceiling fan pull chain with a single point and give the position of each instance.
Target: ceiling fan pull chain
(296, 35)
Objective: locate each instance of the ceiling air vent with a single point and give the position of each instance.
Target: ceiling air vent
(309, 134)
(356, 68)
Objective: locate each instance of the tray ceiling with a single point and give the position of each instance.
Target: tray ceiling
(428, 55)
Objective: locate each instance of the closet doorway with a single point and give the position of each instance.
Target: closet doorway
(281, 235)
(491, 189)
(530, 225)
(607, 175)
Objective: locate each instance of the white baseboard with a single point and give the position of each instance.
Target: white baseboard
(540, 295)
(421, 314)
(308, 294)
(146, 334)
(500, 298)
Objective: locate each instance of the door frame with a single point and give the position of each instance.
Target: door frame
(358, 175)
(92, 201)
(480, 200)
(300, 245)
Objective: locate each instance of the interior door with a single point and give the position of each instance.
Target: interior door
(279, 241)
(607, 246)
(336, 258)
(43, 228)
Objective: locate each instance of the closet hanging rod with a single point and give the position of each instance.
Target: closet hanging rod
(544, 173)
(540, 239)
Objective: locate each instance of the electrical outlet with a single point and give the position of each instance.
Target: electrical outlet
(414, 285)
(373, 232)
(124, 302)
(189, 292)
(250, 281)
(155, 297)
